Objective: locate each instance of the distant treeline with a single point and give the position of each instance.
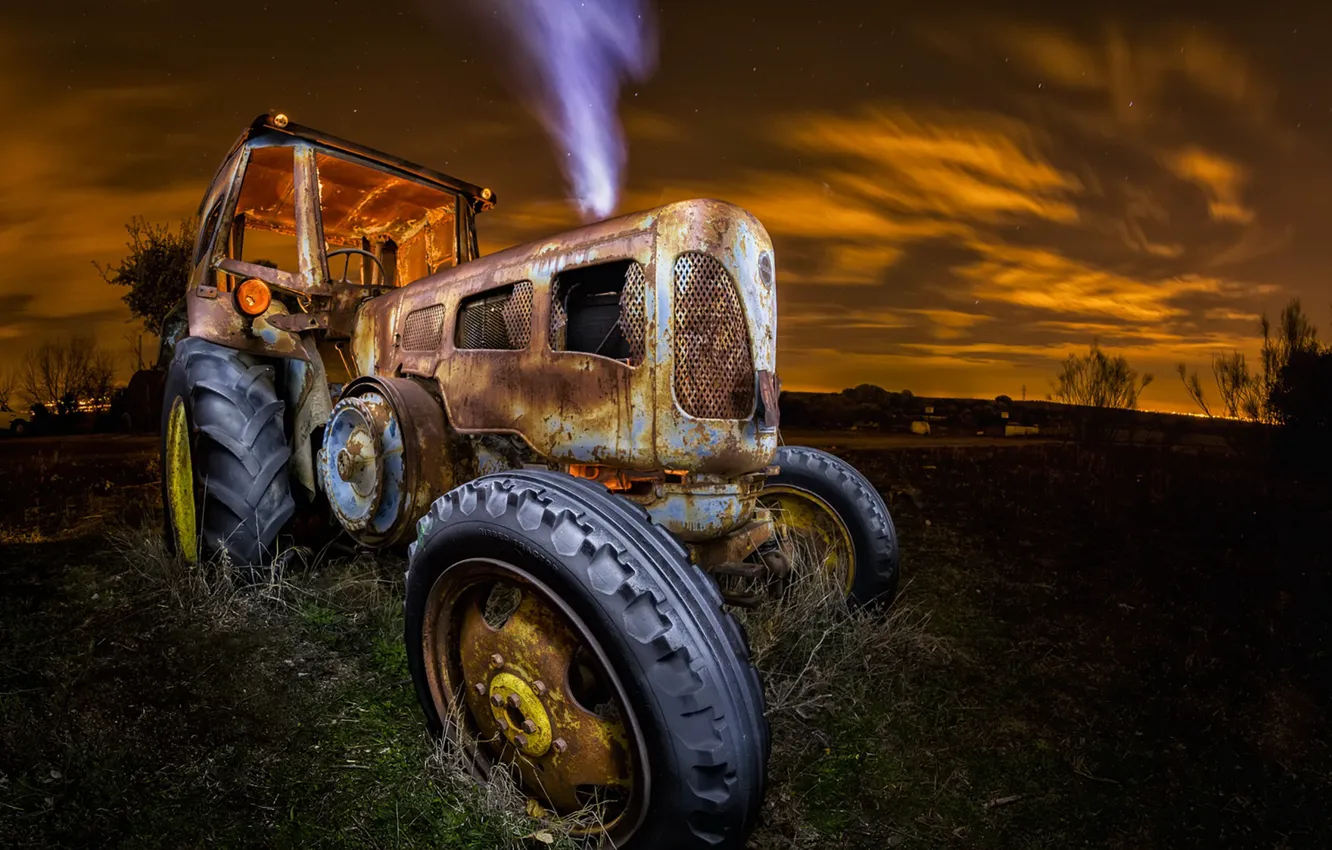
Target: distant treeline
(871, 406)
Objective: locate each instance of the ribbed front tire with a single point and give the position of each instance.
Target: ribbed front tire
(681, 657)
(828, 483)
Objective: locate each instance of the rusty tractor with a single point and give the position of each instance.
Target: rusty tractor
(575, 441)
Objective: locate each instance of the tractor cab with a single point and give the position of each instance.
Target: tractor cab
(299, 227)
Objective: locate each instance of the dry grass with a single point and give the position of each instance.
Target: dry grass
(820, 661)
(823, 663)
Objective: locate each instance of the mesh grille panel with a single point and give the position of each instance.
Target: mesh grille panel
(518, 315)
(424, 329)
(499, 321)
(714, 368)
(559, 320)
(633, 312)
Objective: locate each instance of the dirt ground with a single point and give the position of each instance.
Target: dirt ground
(1121, 648)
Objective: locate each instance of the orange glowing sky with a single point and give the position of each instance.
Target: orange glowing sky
(958, 197)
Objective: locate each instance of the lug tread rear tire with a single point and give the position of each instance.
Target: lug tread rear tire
(675, 640)
(240, 449)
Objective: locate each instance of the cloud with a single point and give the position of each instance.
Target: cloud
(1224, 314)
(1220, 179)
(959, 166)
(1134, 76)
(952, 324)
(77, 168)
(1045, 279)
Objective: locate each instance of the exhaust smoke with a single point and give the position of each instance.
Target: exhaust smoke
(567, 60)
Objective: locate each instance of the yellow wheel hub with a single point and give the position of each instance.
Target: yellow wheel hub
(811, 531)
(179, 475)
(520, 715)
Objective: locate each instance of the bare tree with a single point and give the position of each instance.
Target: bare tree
(1295, 335)
(1193, 386)
(1096, 379)
(134, 343)
(64, 373)
(8, 381)
(1239, 390)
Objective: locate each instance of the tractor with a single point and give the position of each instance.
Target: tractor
(574, 442)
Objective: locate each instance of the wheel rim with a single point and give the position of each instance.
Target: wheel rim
(807, 525)
(179, 475)
(521, 682)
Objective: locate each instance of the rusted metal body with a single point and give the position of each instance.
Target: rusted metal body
(584, 411)
(491, 363)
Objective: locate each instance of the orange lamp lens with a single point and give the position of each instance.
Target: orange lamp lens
(253, 297)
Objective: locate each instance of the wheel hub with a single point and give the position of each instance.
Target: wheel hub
(811, 531)
(519, 714)
(536, 699)
(361, 464)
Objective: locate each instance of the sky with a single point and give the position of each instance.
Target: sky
(959, 196)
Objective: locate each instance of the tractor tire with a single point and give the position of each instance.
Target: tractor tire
(859, 509)
(238, 454)
(682, 661)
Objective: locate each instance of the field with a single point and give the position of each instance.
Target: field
(1121, 648)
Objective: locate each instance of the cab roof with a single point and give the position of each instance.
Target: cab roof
(276, 130)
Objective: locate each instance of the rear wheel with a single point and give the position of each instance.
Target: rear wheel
(224, 456)
(552, 630)
(829, 516)
(18, 427)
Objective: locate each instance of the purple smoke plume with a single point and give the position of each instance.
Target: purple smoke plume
(568, 60)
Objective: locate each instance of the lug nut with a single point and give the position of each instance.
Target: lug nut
(540, 688)
(503, 724)
(497, 660)
(514, 701)
(520, 740)
(480, 688)
(529, 727)
(559, 745)
(496, 700)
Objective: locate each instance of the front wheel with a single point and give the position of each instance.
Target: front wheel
(828, 515)
(553, 631)
(18, 427)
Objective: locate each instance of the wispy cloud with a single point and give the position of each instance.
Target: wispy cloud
(1220, 179)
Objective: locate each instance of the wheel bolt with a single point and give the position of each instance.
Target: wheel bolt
(480, 688)
(540, 688)
(496, 700)
(497, 660)
(520, 740)
(529, 727)
(559, 745)
(514, 701)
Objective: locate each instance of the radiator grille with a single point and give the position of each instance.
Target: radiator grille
(424, 329)
(501, 320)
(714, 367)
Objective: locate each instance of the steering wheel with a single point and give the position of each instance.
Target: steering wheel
(346, 264)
